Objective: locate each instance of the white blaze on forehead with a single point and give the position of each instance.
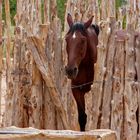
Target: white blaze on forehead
(74, 35)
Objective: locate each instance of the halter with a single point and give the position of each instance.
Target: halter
(81, 86)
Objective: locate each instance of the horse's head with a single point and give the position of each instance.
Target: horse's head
(76, 45)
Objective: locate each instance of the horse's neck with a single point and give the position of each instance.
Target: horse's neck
(85, 77)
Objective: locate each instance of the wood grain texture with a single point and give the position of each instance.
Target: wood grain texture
(1, 52)
(34, 134)
(40, 94)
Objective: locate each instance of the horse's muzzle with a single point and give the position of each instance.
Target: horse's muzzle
(71, 72)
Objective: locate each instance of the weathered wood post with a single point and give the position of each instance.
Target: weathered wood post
(107, 87)
(137, 49)
(8, 40)
(21, 74)
(8, 114)
(48, 107)
(117, 106)
(36, 98)
(137, 59)
(1, 54)
(131, 89)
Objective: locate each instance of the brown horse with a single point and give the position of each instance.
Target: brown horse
(81, 46)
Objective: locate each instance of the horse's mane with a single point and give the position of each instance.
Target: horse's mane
(78, 26)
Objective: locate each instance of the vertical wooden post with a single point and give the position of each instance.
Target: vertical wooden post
(107, 87)
(38, 11)
(8, 113)
(46, 11)
(137, 48)
(8, 41)
(131, 18)
(21, 67)
(94, 117)
(103, 11)
(36, 99)
(96, 11)
(90, 8)
(57, 61)
(1, 54)
(49, 110)
(137, 15)
(117, 106)
(131, 91)
(53, 9)
(49, 114)
(111, 8)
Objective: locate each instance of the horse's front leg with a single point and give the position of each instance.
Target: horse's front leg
(80, 100)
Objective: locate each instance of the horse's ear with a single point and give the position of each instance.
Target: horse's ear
(69, 20)
(88, 23)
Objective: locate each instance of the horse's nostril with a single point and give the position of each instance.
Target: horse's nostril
(75, 69)
(68, 71)
(71, 72)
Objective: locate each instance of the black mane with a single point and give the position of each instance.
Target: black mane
(78, 26)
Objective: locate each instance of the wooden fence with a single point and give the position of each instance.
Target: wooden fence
(38, 92)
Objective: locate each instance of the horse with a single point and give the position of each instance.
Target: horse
(81, 48)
